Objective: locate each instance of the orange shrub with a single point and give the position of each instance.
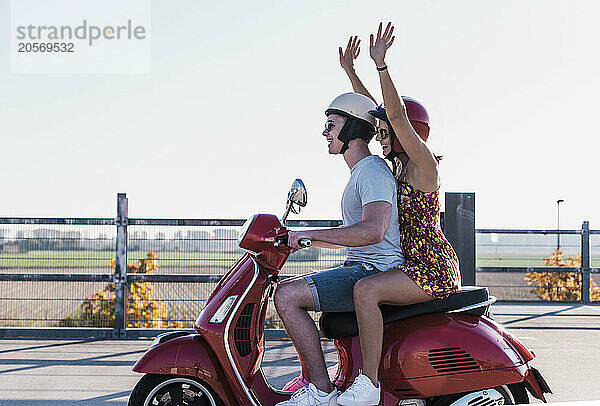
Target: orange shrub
(564, 286)
(142, 310)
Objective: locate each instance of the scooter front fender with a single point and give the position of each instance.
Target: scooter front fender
(188, 355)
(536, 384)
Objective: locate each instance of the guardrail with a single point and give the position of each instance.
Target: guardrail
(71, 277)
(532, 249)
(98, 277)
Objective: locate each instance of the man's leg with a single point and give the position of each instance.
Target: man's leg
(293, 299)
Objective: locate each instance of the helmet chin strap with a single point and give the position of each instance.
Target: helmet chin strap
(393, 153)
(353, 129)
(404, 164)
(344, 147)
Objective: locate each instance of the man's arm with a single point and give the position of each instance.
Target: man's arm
(321, 244)
(370, 230)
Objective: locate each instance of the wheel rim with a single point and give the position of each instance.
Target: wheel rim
(506, 394)
(179, 392)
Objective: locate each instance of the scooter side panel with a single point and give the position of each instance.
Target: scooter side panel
(189, 356)
(454, 383)
(436, 354)
(443, 344)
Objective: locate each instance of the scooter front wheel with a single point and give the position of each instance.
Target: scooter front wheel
(172, 390)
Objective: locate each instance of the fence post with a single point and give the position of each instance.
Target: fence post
(120, 276)
(585, 262)
(459, 228)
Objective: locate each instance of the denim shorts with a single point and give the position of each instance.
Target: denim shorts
(332, 288)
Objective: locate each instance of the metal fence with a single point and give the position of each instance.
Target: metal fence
(122, 277)
(539, 265)
(126, 277)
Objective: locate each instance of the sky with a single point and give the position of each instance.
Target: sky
(232, 111)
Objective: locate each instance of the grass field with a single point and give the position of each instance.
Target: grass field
(181, 260)
(193, 259)
(84, 259)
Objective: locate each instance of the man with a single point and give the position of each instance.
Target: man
(370, 232)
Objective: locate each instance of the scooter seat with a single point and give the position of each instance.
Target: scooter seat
(344, 324)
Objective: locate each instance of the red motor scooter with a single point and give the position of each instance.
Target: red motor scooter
(443, 352)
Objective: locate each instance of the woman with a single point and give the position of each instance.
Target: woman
(431, 268)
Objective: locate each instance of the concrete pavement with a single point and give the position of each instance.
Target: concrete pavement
(566, 339)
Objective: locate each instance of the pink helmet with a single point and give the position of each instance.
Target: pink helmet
(416, 112)
(418, 117)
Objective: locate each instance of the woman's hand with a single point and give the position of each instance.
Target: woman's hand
(380, 45)
(352, 50)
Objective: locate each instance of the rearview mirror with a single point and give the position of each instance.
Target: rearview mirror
(296, 196)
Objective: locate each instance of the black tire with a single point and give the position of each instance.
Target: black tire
(519, 393)
(506, 394)
(514, 394)
(172, 390)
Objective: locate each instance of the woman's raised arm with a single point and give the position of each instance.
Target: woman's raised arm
(347, 58)
(414, 146)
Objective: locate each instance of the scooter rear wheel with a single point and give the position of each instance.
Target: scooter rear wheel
(519, 393)
(172, 390)
(514, 394)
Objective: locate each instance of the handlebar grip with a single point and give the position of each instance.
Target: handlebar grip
(305, 242)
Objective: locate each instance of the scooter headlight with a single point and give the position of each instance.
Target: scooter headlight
(222, 311)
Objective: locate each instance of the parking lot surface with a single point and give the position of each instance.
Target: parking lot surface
(566, 339)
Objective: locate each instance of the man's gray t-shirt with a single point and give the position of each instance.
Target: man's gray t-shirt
(372, 181)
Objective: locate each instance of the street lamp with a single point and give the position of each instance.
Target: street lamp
(558, 202)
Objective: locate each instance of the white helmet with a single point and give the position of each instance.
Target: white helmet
(353, 105)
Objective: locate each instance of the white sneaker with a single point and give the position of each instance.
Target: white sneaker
(362, 392)
(311, 396)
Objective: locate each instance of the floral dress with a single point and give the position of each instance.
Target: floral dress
(430, 259)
